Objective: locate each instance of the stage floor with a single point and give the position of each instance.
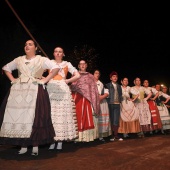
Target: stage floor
(150, 152)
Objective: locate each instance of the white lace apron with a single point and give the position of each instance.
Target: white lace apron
(129, 112)
(20, 109)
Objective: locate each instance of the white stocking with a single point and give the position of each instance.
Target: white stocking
(35, 149)
(23, 150)
(52, 146)
(59, 145)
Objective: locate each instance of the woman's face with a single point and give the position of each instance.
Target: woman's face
(82, 66)
(146, 83)
(58, 53)
(125, 82)
(164, 89)
(158, 87)
(137, 82)
(96, 75)
(30, 48)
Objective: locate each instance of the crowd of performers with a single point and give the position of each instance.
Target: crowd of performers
(40, 110)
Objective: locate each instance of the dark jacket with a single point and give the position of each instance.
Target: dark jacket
(111, 89)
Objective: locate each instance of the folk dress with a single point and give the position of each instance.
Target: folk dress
(86, 97)
(129, 115)
(104, 118)
(62, 104)
(156, 123)
(163, 110)
(143, 108)
(25, 114)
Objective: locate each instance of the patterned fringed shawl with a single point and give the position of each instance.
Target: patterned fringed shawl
(86, 86)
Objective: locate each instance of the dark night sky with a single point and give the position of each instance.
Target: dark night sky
(130, 38)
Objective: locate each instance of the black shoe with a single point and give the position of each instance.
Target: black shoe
(76, 143)
(102, 140)
(118, 138)
(34, 153)
(51, 150)
(141, 135)
(163, 133)
(18, 153)
(127, 137)
(59, 150)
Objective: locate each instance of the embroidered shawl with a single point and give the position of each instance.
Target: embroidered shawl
(87, 86)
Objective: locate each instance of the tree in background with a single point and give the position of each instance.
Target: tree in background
(84, 52)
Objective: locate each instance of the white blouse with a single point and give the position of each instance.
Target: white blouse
(48, 64)
(100, 87)
(64, 64)
(153, 90)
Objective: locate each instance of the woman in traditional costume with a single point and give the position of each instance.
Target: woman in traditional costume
(62, 105)
(86, 97)
(163, 110)
(104, 118)
(142, 106)
(25, 114)
(129, 115)
(156, 123)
